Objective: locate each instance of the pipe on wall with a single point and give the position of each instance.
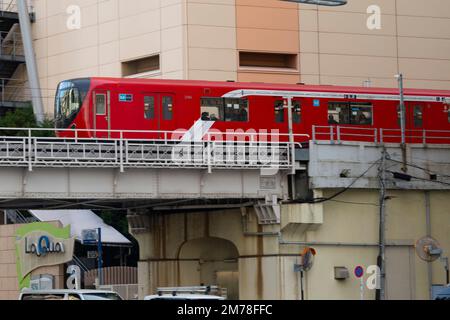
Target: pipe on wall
(30, 58)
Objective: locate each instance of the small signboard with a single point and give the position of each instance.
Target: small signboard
(89, 236)
(92, 254)
(124, 97)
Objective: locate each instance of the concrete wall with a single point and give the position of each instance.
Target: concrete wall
(9, 285)
(337, 47)
(266, 267)
(202, 39)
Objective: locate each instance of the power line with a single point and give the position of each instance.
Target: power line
(321, 200)
(421, 168)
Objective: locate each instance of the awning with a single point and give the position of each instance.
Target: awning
(80, 220)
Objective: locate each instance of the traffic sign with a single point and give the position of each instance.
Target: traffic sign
(359, 272)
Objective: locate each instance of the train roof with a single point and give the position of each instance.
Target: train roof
(273, 86)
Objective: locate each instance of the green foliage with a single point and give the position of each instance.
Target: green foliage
(24, 118)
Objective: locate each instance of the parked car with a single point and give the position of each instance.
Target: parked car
(69, 295)
(444, 294)
(189, 293)
(183, 297)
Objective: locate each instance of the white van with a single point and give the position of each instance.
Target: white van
(68, 295)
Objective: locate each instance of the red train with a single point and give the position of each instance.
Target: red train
(102, 105)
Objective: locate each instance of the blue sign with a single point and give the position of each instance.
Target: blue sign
(123, 97)
(316, 103)
(359, 272)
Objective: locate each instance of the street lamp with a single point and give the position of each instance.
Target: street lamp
(329, 3)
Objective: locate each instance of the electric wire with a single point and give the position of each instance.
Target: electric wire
(322, 200)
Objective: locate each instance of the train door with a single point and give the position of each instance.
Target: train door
(102, 113)
(159, 112)
(414, 121)
(166, 115)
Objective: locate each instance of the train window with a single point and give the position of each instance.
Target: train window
(212, 109)
(296, 112)
(338, 113)
(100, 104)
(361, 113)
(448, 114)
(219, 109)
(149, 107)
(167, 102)
(236, 110)
(279, 111)
(350, 113)
(418, 116)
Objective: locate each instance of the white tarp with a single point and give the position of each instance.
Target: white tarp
(80, 220)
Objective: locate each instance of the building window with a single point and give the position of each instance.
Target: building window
(350, 113)
(268, 60)
(167, 102)
(149, 107)
(219, 109)
(139, 66)
(100, 104)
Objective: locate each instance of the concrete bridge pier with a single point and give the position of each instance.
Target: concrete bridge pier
(228, 248)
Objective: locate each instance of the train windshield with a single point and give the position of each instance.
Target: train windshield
(69, 99)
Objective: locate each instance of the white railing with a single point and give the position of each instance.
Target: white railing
(156, 149)
(8, 5)
(338, 134)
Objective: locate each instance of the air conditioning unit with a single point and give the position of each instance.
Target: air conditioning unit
(341, 273)
(42, 282)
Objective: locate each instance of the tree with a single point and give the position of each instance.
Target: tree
(24, 118)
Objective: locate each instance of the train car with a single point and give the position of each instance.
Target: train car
(101, 107)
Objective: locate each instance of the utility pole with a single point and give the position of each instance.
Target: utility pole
(291, 142)
(100, 256)
(402, 119)
(381, 260)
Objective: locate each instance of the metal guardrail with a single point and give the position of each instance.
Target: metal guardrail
(338, 134)
(16, 217)
(162, 149)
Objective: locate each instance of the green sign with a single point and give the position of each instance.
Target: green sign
(38, 245)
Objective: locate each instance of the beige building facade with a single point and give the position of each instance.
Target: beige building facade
(366, 42)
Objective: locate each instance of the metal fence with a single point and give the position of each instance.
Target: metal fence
(338, 134)
(166, 149)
